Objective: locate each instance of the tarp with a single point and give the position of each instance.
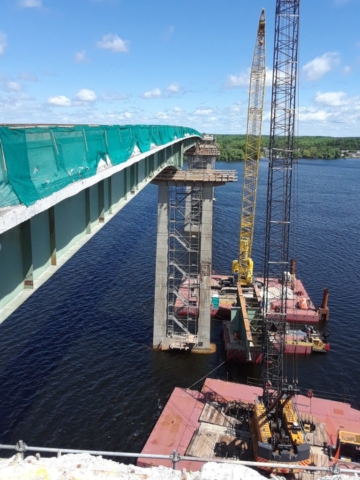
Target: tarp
(38, 161)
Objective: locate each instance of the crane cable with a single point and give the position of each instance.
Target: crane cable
(295, 196)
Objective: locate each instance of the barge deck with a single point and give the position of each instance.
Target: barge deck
(214, 423)
(299, 306)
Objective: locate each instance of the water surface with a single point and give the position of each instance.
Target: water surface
(76, 365)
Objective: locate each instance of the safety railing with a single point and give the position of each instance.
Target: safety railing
(175, 458)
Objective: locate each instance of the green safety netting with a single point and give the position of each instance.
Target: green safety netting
(38, 161)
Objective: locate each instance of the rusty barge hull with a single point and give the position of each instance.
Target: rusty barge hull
(185, 425)
(300, 309)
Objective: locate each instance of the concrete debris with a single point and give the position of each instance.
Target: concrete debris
(87, 467)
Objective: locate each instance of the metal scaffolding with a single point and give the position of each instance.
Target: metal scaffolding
(182, 311)
(183, 264)
(184, 267)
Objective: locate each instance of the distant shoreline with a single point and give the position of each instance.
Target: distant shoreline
(306, 147)
(300, 158)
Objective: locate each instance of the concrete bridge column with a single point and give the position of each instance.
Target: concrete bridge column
(161, 271)
(204, 322)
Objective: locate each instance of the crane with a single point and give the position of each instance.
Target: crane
(243, 266)
(278, 431)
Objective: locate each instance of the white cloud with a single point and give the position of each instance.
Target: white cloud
(347, 69)
(162, 115)
(59, 101)
(30, 3)
(243, 79)
(177, 109)
(85, 95)
(11, 86)
(114, 97)
(203, 111)
(236, 108)
(332, 99)
(114, 43)
(80, 57)
(320, 65)
(173, 88)
(268, 77)
(28, 77)
(155, 93)
(234, 81)
(3, 42)
(311, 114)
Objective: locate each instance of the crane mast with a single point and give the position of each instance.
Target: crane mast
(243, 267)
(281, 155)
(277, 426)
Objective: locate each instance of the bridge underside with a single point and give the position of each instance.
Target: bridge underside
(36, 241)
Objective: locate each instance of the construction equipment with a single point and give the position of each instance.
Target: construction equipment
(277, 427)
(243, 266)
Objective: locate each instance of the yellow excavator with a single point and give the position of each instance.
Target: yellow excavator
(242, 268)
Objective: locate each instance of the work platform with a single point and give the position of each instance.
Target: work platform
(214, 423)
(174, 177)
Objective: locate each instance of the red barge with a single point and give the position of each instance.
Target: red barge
(243, 333)
(241, 309)
(300, 308)
(216, 423)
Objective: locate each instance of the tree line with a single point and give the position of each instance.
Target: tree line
(232, 147)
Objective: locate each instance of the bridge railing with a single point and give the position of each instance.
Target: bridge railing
(36, 161)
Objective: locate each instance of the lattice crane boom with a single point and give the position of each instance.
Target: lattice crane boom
(281, 155)
(243, 266)
(278, 429)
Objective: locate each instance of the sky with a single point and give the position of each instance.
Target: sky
(183, 62)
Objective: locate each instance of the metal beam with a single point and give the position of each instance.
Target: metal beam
(67, 228)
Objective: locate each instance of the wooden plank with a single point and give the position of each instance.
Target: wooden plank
(202, 444)
(320, 435)
(210, 414)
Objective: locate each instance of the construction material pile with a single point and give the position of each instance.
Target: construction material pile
(88, 467)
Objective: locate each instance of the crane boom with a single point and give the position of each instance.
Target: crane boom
(281, 155)
(277, 426)
(243, 267)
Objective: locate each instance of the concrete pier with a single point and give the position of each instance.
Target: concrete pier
(161, 269)
(171, 331)
(205, 268)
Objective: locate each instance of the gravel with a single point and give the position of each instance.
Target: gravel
(88, 467)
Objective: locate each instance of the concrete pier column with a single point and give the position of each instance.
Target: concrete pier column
(161, 270)
(205, 268)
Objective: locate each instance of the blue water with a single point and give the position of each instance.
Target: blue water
(76, 367)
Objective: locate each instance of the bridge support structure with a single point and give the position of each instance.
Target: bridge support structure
(182, 315)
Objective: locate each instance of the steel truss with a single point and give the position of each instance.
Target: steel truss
(252, 156)
(281, 155)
